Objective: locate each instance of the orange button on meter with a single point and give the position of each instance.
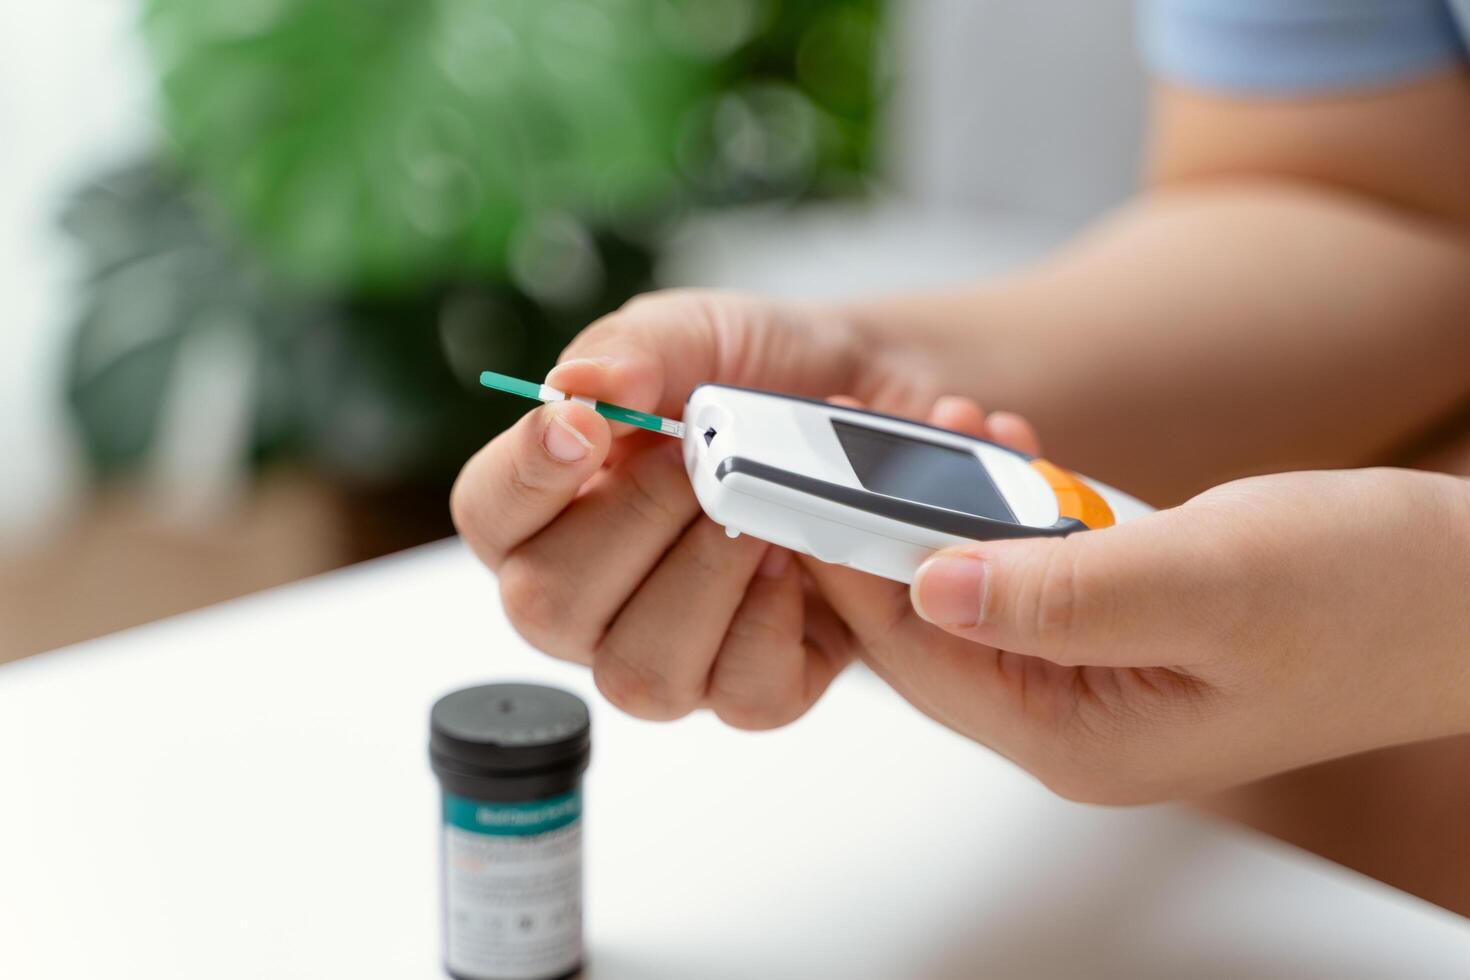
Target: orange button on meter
(1075, 498)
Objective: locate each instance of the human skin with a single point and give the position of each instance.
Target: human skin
(1267, 624)
(1397, 814)
(732, 626)
(1290, 292)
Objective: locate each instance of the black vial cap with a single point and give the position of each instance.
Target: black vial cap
(509, 741)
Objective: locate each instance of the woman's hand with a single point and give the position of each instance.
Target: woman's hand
(1263, 625)
(603, 554)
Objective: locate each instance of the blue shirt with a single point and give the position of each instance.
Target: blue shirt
(1303, 46)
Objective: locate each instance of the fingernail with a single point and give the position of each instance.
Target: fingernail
(563, 441)
(774, 563)
(950, 591)
(602, 362)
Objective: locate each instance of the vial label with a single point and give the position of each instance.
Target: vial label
(513, 887)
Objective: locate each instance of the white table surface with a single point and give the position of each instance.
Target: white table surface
(243, 792)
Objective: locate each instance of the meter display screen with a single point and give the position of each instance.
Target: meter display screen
(941, 476)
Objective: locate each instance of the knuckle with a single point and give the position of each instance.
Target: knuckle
(641, 495)
(464, 506)
(596, 333)
(707, 554)
(753, 705)
(749, 688)
(645, 299)
(528, 603)
(1052, 605)
(704, 309)
(522, 483)
(660, 297)
(884, 624)
(758, 633)
(757, 715)
(640, 312)
(639, 690)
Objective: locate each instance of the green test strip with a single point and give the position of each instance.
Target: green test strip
(617, 413)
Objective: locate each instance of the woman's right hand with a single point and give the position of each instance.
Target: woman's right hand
(603, 554)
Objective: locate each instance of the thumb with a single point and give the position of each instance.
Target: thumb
(1146, 593)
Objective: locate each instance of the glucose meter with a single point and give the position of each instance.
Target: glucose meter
(873, 491)
(858, 488)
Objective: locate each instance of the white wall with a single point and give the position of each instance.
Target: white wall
(1027, 105)
(73, 97)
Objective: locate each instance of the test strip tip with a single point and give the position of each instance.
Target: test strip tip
(515, 386)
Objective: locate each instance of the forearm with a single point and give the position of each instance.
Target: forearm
(1214, 331)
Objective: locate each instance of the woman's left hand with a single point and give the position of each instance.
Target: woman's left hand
(1264, 625)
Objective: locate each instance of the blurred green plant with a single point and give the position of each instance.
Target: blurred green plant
(386, 142)
(378, 198)
(367, 388)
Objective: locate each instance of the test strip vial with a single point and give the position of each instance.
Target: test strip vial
(510, 760)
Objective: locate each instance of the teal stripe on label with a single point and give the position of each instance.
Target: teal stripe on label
(512, 819)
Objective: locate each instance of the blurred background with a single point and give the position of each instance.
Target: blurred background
(255, 253)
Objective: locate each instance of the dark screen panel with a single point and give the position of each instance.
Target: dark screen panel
(911, 469)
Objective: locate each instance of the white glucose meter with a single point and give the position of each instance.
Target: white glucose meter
(873, 491)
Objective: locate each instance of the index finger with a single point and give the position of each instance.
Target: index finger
(648, 355)
(653, 352)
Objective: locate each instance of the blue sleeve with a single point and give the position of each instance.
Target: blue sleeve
(1293, 46)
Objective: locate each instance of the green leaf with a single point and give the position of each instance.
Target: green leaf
(386, 143)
